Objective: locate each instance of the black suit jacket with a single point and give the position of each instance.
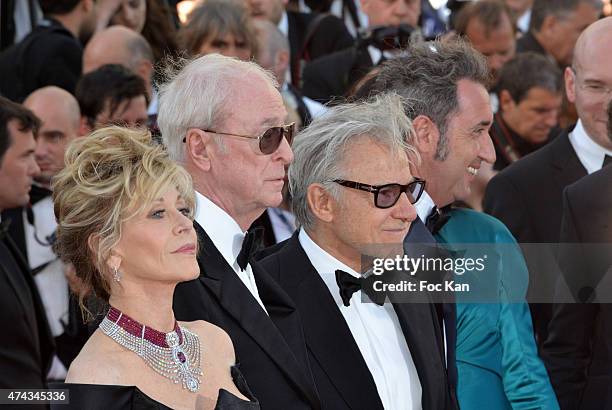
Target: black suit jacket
(528, 42)
(527, 198)
(26, 345)
(329, 35)
(76, 332)
(49, 55)
(341, 374)
(578, 351)
(270, 349)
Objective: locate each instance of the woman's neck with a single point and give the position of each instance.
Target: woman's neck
(151, 307)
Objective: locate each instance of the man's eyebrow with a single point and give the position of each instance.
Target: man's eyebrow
(483, 123)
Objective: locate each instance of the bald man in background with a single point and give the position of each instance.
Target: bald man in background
(33, 227)
(527, 196)
(120, 45)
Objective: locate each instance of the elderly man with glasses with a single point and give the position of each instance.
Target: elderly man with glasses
(353, 195)
(224, 121)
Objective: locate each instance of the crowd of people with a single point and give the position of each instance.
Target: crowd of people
(191, 210)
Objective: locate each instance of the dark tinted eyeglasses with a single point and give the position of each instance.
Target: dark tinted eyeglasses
(269, 141)
(385, 196)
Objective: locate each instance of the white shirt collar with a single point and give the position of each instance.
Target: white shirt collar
(283, 24)
(152, 109)
(222, 229)
(590, 153)
(324, 264)
(424, 206)
(523, 21)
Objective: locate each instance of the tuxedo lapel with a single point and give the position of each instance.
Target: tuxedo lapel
(416, 244)
(422, 332)
(565, 161)
(328, 336)
(251, 317)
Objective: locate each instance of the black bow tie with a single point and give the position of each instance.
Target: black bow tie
(436, 219)
(38, 193)
(250, 245)
(607, 161)
(348, 284)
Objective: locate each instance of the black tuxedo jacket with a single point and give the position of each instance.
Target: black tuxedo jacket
(26, 345)
(420, 242)
(578, 351)
(527, 198)
(340, 372)
(270, 349)
(328, 36)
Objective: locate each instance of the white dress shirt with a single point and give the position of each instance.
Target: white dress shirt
(227, 236)
(51, 281)
(377, 333)
(590, 153)
(283, 223)
(424, 206)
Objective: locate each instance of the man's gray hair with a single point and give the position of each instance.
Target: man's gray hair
(320, 150)
(427, 78)
(271, 40)
(199, 95)
(558, 8)
(139, 50)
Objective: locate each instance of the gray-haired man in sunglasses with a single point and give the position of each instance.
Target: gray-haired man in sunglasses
(224, 121)
(353, 194)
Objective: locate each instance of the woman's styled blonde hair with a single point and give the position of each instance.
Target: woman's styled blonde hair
(109, 177)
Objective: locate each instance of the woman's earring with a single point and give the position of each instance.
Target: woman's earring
(116, 275)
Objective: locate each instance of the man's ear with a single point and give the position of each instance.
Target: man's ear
(506, 102)
(426, 133)
(281, 61)
(320, 202)
(84, 127)
(549, 26)
(570, 84)
(145, 71)
(198, 146)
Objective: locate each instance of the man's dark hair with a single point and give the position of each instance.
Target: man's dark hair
(110, 84)
(526, 71)
(489, 13)
(59, 7)
(10, 111)
(427, 78)
(559, 8)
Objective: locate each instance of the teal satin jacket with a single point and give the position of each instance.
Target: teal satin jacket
(497, 360)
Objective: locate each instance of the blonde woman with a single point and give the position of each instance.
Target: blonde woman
(124, 212)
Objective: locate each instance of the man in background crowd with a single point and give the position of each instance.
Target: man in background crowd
(555, 26)
(112, 94)
(27, 346)
(51, 54)
(530, 94)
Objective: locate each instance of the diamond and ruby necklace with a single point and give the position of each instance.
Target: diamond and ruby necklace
(174, 355)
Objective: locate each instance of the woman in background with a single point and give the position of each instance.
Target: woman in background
(219, 26)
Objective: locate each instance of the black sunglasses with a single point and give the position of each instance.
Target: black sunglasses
(385, 196)
(269, 141)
